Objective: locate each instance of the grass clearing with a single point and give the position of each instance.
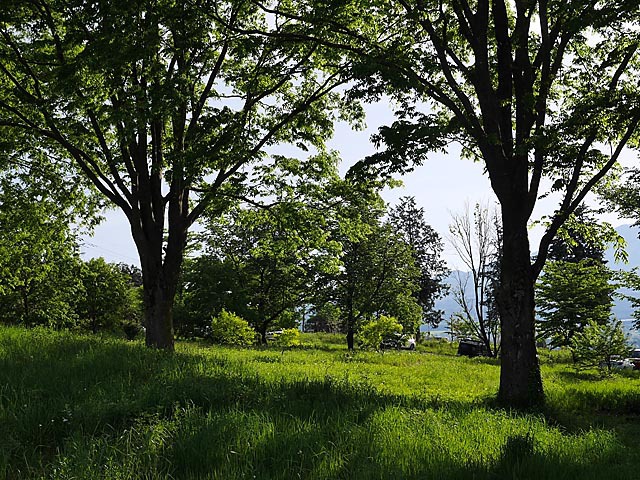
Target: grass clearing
(75, 406)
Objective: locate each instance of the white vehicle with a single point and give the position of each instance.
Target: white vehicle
(399, 341)
(634, 358)
(616, 362)
(274, 334)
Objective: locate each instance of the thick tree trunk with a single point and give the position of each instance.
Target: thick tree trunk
(158, 313)
(350, 336)
(520, 380)
(160, 274)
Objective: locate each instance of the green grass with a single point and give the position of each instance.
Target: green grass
(76, 407)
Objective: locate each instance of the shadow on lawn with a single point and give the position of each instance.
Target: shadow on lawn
(221, 419)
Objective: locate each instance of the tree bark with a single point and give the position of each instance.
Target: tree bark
(158, 312)
(160, 273)
(263, 333)
(520, 380)
(350, 335)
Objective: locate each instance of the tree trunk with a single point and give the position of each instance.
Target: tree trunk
(158, 314)
(25, 306)
(520, 380)
(350, 334)
(350, 330)
(160, 283)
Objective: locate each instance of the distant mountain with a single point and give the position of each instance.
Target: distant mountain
(622, 308)
(634, 335)
(448, 304)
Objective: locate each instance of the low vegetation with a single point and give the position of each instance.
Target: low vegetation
(76, 406)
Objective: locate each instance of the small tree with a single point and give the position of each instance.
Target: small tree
(476, 239)
(375, 331)
(105, 297)
(570, 296)
(229, 329)
(289, 337)
(576, 285)
(597, 344)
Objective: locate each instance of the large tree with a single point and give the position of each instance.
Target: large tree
(42, 211)
(162, 107)
(408, 220)
(532, 88)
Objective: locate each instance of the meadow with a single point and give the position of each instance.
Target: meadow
(88, 407)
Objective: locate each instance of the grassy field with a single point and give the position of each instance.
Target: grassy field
(76, 407)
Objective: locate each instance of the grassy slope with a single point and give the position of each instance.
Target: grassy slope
(83, 407)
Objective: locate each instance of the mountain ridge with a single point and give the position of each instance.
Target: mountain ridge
(622, 308)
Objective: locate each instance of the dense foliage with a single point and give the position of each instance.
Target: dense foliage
(408, 220)
(373, 332)
(43, 280)
(576, 287)
(321, 249)
(570, 296)
(229, 329)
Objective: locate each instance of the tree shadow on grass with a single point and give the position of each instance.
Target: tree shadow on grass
(88, 403)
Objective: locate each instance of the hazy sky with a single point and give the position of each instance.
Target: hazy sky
(441, 186)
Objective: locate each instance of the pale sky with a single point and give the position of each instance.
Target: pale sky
(441, 186)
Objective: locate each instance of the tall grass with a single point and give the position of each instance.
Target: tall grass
(75, 407)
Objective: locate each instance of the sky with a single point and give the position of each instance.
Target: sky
(442, 186)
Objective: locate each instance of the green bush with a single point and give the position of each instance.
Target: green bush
(290, 337)
(372, 333)
(229, 329)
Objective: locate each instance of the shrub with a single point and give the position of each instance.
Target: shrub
(290, 337)
(597, 344)
(372, 333)
(229, 329)
(131, 329)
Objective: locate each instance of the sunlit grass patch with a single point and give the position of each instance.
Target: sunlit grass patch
(85, 407)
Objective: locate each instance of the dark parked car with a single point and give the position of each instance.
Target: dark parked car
(472, 348)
